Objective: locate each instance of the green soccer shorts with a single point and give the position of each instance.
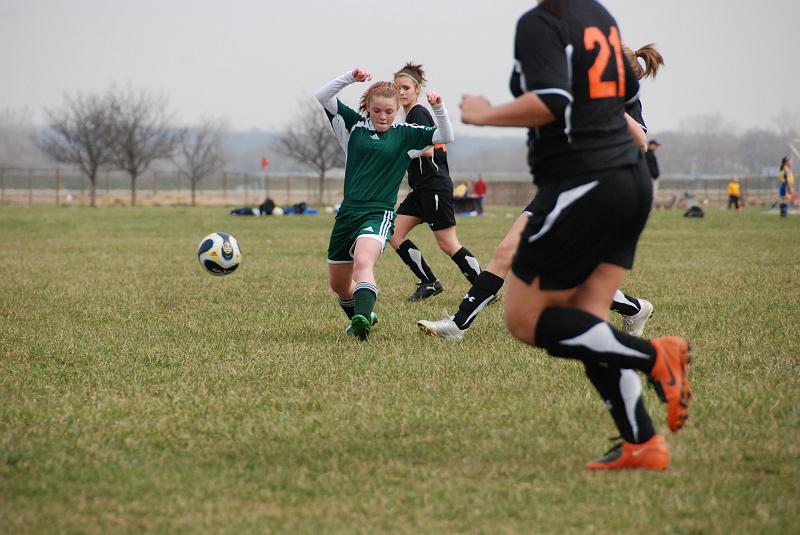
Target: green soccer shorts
(353, 224)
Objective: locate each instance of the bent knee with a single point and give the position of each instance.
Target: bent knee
(397, 240)
(520, 327)
(363, 270)
(340, 288)
(449, 247)
(361, 265)
(340, 285)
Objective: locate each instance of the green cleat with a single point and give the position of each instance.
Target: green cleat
(360, 326)
(374, 320)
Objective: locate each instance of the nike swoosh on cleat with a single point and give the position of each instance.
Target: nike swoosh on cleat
(671, 376)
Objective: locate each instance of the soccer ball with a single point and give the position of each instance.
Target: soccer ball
(219, 253)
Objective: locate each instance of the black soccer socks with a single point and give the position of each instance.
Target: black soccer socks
(484, 288)
(625, 304)
(575, 334)
(467, 263)
(412, 257)
(621, 391)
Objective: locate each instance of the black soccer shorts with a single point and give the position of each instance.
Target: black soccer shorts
(576, 225)
(434, 207)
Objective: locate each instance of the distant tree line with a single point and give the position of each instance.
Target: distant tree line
(122, 128)
(711, 145)
(127, 129)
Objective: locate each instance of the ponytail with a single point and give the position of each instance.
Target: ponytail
(651, 57)
(414, 72)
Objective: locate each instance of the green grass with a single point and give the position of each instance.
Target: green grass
(138, 393)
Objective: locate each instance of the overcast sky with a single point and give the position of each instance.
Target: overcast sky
(248, 61)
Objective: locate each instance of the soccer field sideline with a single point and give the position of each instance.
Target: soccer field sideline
(140, 393)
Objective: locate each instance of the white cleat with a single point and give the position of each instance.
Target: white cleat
(444, 328)
(634, 325)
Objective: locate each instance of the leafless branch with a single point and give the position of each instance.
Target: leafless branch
(309, 140)
(142, 131)
(80, 134)
(201, 153)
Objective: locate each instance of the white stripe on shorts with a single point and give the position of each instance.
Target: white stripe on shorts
(564, 199)
(386, 224)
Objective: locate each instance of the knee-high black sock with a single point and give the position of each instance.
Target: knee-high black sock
(575, 334)
(348, 305)
(484, 289)
(625, 304)
(412, 257)
(467, 263)
(621, 390)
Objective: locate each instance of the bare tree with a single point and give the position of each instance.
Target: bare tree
(309, 140)
(80, 134)
(201, 153)
(142, 131)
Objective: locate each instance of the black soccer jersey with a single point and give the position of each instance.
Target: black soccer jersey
(428, 173)
(573, 49)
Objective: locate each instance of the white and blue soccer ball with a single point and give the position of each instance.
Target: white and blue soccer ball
(219, 253)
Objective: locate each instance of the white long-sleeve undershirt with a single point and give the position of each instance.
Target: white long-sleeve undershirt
(326, 95)
(444, 129)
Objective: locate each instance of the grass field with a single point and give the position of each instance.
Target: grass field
(138, 393)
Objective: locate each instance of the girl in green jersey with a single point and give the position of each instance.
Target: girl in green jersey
(378, 152)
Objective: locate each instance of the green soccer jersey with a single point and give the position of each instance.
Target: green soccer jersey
(376, 161)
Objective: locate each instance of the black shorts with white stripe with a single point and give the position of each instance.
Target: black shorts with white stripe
(434, 207)
(576, 225)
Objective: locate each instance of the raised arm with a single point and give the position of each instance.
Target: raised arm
(326, 95)
(444, 128)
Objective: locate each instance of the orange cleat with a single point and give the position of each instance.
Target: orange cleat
(670, 376)
(650, 455)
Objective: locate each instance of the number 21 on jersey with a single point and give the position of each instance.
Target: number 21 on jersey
(594, 37)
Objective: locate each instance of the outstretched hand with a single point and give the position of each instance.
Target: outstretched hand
(362, 75)
(434, 98)
(472, 108)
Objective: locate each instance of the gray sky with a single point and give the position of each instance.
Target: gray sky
(248, 61)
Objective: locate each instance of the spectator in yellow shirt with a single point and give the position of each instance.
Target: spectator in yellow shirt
(461, 191)
(734, 193)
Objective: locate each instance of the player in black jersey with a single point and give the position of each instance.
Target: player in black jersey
(431, 197)
(592, 202)
(634, 311)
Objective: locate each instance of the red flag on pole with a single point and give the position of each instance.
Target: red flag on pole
(264, 162)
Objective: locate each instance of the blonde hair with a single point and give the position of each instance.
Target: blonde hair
(413, 71)
(652, 58)
(378, 89)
